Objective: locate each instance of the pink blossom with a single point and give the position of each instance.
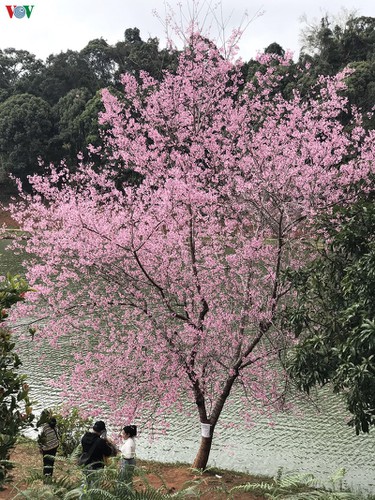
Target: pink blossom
(171, 291)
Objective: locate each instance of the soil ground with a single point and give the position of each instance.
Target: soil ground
(169, 477)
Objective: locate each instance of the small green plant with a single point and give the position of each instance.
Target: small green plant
(104, 484)
(51, 488)
(201, 472)
(298, 487)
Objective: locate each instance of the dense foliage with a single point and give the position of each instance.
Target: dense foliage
(47, 109)
(15, 405)
(25, 127)
(335, 317)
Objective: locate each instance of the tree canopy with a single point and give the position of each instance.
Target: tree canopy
(174, 283)
(25, 127)
(330, 46)
(333, 47)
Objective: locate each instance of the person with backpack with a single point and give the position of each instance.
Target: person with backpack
(49, 441)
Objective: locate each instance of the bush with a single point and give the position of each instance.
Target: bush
(15, 405)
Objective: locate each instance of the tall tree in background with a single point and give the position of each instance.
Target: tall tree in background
(18, 70)
(338, 43)
(64, 72)
(331, 46)
(26, 125)
(134, 55)
(71, 131)
(174, 284)
(100, 57)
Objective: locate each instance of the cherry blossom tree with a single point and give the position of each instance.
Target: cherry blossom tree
(171, 288)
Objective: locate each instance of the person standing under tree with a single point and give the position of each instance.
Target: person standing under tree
(96, 447)
(127, 449)
(49, 441)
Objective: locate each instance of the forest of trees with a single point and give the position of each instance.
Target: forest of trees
(49, 109)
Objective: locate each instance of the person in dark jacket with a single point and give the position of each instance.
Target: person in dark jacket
(96, 447)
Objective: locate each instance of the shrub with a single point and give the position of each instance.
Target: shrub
(15, 405)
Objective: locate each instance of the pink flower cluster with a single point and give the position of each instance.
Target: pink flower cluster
(170, 291)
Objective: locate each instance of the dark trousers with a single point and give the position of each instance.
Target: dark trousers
(48, 461)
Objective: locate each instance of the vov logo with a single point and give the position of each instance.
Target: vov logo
(19, 11)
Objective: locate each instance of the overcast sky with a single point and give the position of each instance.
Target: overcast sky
(58, 25)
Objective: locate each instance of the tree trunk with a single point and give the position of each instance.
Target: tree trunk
(208, 424)
(201, 459)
